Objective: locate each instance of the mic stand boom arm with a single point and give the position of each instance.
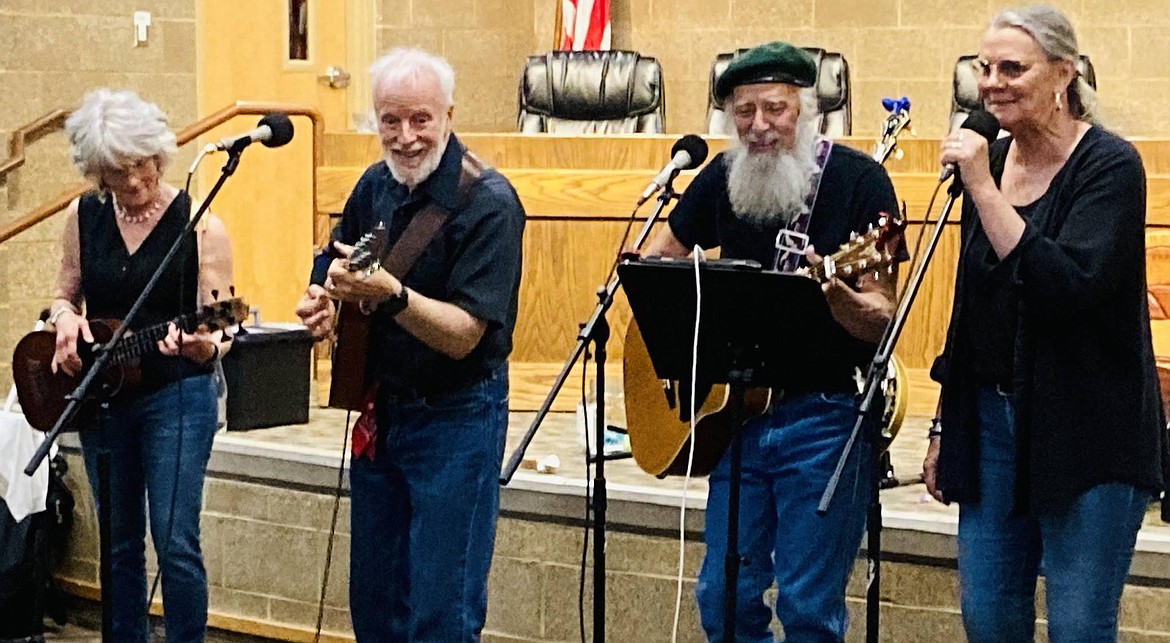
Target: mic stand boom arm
(867, 416)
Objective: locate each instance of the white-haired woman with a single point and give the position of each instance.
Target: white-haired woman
(1050, 429)
(158, 436)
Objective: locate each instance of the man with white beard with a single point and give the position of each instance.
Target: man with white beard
(428, 447)
(779, 176)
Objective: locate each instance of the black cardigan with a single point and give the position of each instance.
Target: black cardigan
(1088, 408)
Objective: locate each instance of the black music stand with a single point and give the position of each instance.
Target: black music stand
(756, 329)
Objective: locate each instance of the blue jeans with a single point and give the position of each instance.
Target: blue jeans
(159, 445)
(423, 517)
(788, 456)
(1084, 549)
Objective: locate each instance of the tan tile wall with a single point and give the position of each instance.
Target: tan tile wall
(480, 38)
(894, 47)
(51, 53)
(264, 549)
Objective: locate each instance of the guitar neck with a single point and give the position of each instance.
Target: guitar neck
(145, 341)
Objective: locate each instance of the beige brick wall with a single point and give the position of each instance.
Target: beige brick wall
(264, 548)
(51, 53)
(894, 47)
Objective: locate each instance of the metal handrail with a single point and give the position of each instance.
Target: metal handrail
(183, 136)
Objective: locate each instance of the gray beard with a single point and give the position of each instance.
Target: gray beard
(770, 188)
(411, 177)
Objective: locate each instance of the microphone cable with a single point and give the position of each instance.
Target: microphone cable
(696, 253)
(333, 526)
(588, 502)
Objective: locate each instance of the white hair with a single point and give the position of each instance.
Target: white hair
(403, 63)
(113, 129)
(1054, 33)
(772, 187)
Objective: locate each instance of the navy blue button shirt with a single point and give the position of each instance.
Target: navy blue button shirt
(473, 262)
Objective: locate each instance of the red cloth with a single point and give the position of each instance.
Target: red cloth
(365, 429)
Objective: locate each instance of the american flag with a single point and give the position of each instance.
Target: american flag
(582, 25)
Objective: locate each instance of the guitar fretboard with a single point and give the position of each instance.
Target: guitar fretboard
(142, 342)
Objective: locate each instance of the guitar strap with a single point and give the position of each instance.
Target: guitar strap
(423, 227)
(793, 238)
(409, 247)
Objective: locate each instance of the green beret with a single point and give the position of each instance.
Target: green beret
(773, 62)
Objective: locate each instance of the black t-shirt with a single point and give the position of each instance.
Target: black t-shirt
(855, 190)
(473, 262)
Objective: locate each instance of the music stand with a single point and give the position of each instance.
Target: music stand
(756, 329)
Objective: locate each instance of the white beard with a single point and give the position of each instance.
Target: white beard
(412, 177)
(770, 187)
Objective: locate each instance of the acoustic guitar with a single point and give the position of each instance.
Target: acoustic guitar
(42, 392)
(656, 415)
(351, 336)
(657, 418)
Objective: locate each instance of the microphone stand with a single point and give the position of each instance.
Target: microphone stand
(868, 417)
(80, 394)
(596, 331)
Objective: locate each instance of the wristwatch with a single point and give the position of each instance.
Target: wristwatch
(396, 303)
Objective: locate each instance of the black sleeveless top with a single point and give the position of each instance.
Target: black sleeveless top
(112, 278)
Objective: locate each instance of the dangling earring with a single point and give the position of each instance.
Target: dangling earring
(1059, 103)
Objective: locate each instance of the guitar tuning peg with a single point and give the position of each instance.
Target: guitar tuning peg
(898, 154)
(852, 236)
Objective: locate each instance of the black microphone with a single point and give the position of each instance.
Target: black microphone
(982, 123)
(690, 151)
(273, 130)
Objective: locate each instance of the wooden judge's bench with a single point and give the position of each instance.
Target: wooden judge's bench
(578, 192)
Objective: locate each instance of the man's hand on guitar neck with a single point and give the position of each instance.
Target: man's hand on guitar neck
(359, 285)
(864, 309)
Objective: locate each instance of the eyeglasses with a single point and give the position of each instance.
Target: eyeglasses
(1009, 69)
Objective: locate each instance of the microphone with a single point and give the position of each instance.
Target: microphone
(273, 130)
(982, 123)
(688, 152)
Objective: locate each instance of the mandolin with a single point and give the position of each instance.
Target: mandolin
(42, 392)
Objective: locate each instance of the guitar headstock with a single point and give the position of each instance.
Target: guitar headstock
(221, 314)
(869, 252)
(367, 252)
(897, 122)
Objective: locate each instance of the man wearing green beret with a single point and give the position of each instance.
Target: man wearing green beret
(779, 189)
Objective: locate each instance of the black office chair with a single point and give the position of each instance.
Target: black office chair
(579, 92)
